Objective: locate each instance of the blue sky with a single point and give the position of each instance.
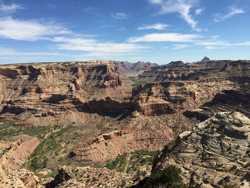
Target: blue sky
(149, 30)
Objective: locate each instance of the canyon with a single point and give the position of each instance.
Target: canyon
(80, 124)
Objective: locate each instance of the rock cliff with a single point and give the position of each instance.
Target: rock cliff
(214, 154)
(172, 97)
(33, 93)
(209, 69)
(108, 146)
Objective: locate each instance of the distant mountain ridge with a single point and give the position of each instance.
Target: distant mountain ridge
(204, 69)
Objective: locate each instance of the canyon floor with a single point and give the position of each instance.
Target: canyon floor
(116, 124)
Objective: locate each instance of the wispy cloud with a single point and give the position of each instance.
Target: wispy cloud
(28, 30)
(199, 11)
(180, 46)
(62, 37)
(9, 8)
(91, 45)
(183, 40)
(13, 52)
(221, 44)
(119, 15)
(233, 11)
(181, 7)
(165, 37)
(157, 26)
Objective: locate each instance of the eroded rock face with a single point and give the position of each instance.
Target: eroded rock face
(105, 107)
(216, 153)
(48, 93)
(92, 177)
(180, 86)
(51, 91)
(229, 100)
(208, 69)
(12, 173)
(173, 97)
(108, 146)
(19, 178)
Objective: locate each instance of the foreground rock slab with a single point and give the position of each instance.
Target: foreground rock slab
(12, 159)
(215, 154)
(85, 177)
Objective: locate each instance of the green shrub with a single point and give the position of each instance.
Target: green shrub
(38, 163)
(119, 163)
(133, 161)
(167, 178)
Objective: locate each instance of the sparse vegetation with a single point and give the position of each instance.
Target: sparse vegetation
(119, 163)
(9, 130)
(168, 178)
(54, 149)
(136, 163)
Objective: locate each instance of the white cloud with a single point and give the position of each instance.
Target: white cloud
(180, 46)
(93, 46)
(13, 52)
(233, 11)
(119, 15)
(199, 11)
(182, 7)
(182, 40)
(28, 30)
(157, 26)
(9, 8)
(62, 37)
(165, 37)
(220, 44)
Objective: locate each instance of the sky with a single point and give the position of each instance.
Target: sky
(159, 31)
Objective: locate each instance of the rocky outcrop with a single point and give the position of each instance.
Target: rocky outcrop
(90, 177)
(21, 178)
(14, 155)
(108, 146)
(47, 92)
(215, 154)
(208, 69)
(179, 86)
(60, 178)
(18, 152)
(105, 107)
(205, 59)
(112, 119)
(225, 101)
(173, 97)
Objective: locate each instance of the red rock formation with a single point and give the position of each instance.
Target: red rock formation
(108, 146)
(33, 91)
(172, 97)
(197, 71)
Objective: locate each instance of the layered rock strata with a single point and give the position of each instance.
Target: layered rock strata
(215, 154)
